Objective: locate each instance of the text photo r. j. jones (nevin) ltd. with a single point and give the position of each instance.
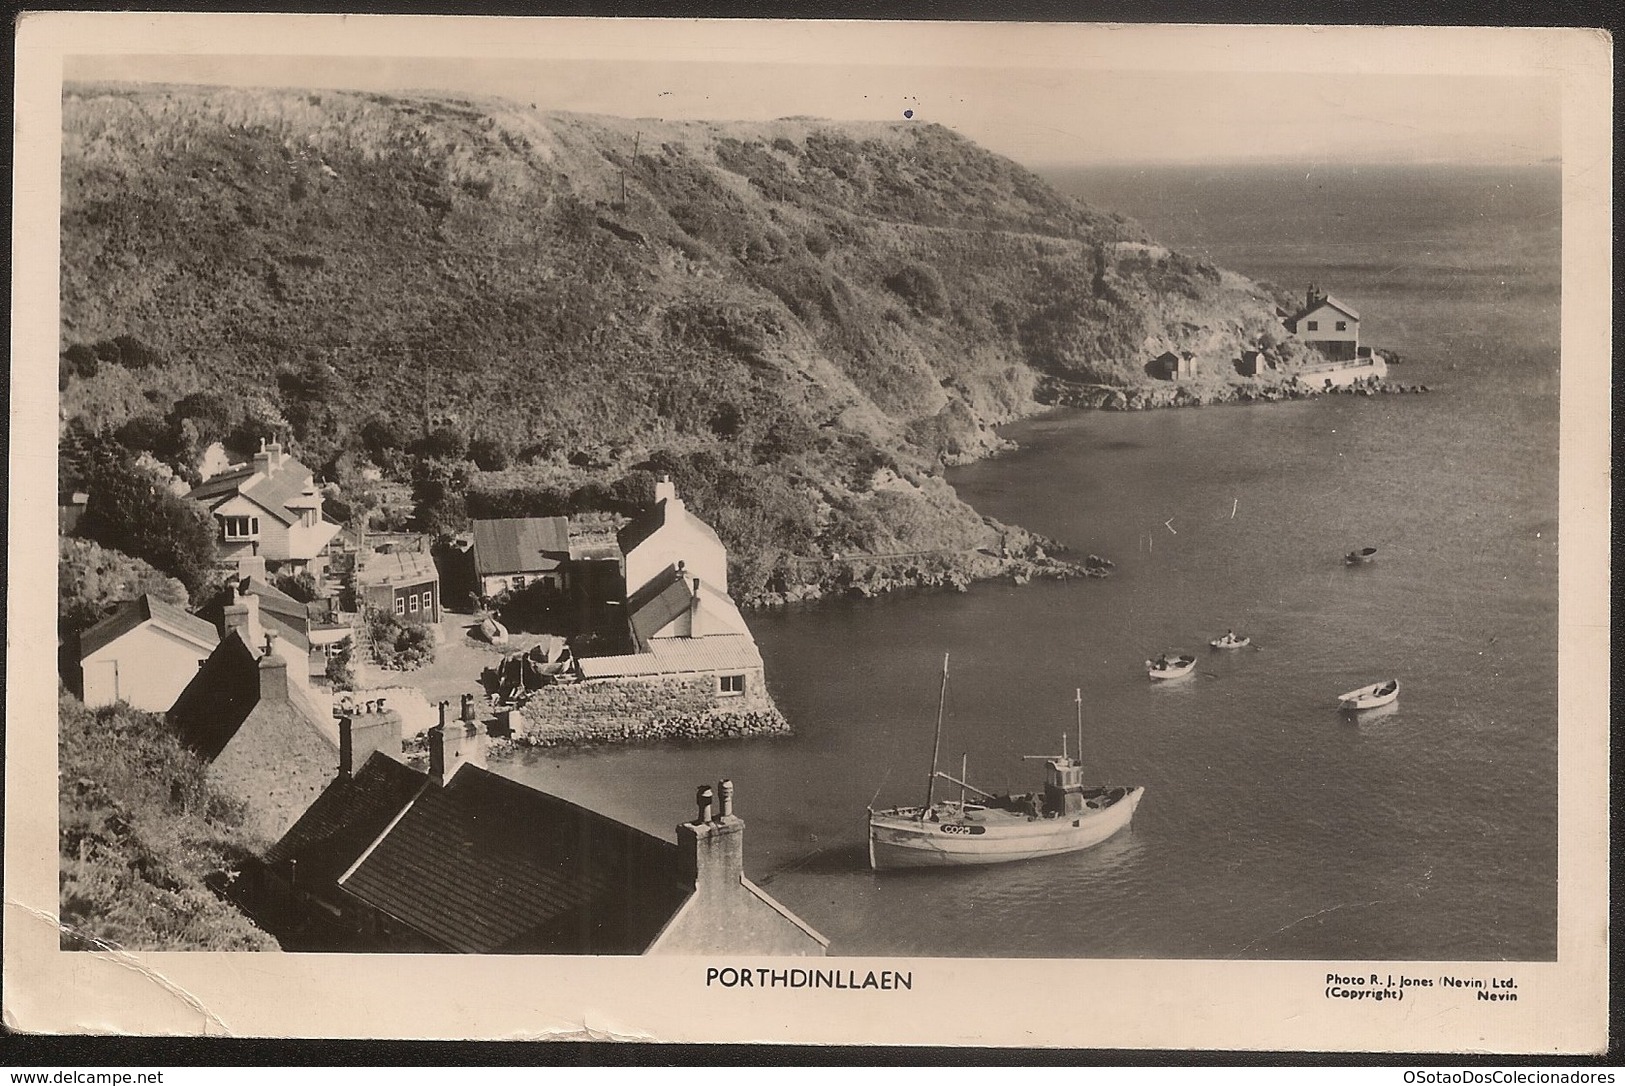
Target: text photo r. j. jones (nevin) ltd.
(588, 508)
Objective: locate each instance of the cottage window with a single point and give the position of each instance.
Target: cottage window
(731, 684)
(414, 602)
(1342, 326)
(400, 605)
(1314, 326)
(428, 601)
(240, 527)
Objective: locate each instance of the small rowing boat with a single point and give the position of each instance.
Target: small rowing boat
(1361, 556)
(1370, 697)
(1230, 641)
(1170, 667)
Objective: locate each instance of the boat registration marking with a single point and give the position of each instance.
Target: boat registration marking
(950, 827)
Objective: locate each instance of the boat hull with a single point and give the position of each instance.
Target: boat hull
(901, 841)
(1239, 643)
(1370, 697)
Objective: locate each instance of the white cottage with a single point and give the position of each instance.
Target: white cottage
(144, 654)
(669, 536)
(1327, 325)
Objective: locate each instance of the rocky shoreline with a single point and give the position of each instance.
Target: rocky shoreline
(868, 576)
(1059, 392)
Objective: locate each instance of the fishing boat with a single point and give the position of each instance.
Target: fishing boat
(993, 829)
(1230, 641)
(1170, 667)
(1370, 697)
(1361, 556)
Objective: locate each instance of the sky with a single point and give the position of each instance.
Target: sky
(1132, 98)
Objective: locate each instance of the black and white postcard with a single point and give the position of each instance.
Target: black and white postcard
(914, 533)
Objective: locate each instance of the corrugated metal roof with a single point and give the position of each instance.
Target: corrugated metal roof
(678, 655)
(397, 567)
(147, 608)
(486, 864)
(520, 545)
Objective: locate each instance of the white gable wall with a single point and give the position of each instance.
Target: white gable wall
(677, 541)
(147, 667)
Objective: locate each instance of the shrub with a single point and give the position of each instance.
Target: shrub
(301, 585)
(139, 832)
(401, 646)
(340, 673)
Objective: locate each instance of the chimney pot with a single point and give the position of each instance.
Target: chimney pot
(702, 798)
(725, 789)
(444, 707)
(381, 704)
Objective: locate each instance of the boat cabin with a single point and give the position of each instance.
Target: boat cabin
(1063, 786)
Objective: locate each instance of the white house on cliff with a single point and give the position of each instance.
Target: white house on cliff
(1327, 325)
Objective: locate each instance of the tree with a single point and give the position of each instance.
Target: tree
(91, 581)
(301, 585)
(132, 510)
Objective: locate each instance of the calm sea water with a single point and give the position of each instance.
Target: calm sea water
(1273, 827)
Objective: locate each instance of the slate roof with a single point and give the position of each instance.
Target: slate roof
(485, 864)
(219, 698)
(678, 656)
(520, 545)
(273, 491)
(1327, 300)
(280, 613)
(665, 597)
(647, 524)
(146, 608)
(225, 692)
(347, 817)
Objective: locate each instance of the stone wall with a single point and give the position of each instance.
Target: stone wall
(634, 710)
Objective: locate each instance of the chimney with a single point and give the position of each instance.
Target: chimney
(452, 743)
(243, 614)
(665, 489)
(694, 612)
(262, 459)
(346, 747)
(273, 676)
(713, 848)
(360, 736)
(468, 708)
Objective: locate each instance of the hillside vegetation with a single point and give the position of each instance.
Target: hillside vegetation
(802, 320)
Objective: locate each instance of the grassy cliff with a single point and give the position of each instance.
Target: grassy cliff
(803, 320)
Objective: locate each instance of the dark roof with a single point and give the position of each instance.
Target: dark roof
(520, 544)
(647, 524)
(280, 613)
(662, 599)
(218, 699)
(1327, 300)
(486, 864)
(347, 817)
(146, 608)
(227, 482)
(271, 491)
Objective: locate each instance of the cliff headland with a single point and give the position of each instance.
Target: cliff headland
(462, 307)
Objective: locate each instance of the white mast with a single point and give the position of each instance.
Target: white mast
(1080, 725)
(936, 746)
